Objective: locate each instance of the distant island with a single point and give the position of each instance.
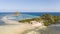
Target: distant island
(47, 19)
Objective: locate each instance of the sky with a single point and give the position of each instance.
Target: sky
(30, 5)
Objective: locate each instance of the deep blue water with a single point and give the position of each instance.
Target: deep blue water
(33, 13)
(42, 13)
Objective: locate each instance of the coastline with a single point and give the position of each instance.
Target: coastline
(29, 25)
(17, 28)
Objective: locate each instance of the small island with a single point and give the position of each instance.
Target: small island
(47, 19)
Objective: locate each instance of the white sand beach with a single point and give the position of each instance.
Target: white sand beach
(17, 28)
(14, 29)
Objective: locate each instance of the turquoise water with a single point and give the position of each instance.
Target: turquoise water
(20, 17)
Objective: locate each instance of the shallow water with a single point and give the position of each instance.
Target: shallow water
(12, 17)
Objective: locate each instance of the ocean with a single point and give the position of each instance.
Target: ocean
(25, 15)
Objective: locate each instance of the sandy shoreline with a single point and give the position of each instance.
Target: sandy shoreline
(15, 29)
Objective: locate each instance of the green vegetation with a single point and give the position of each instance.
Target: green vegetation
(48, 19)
(28, 20)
